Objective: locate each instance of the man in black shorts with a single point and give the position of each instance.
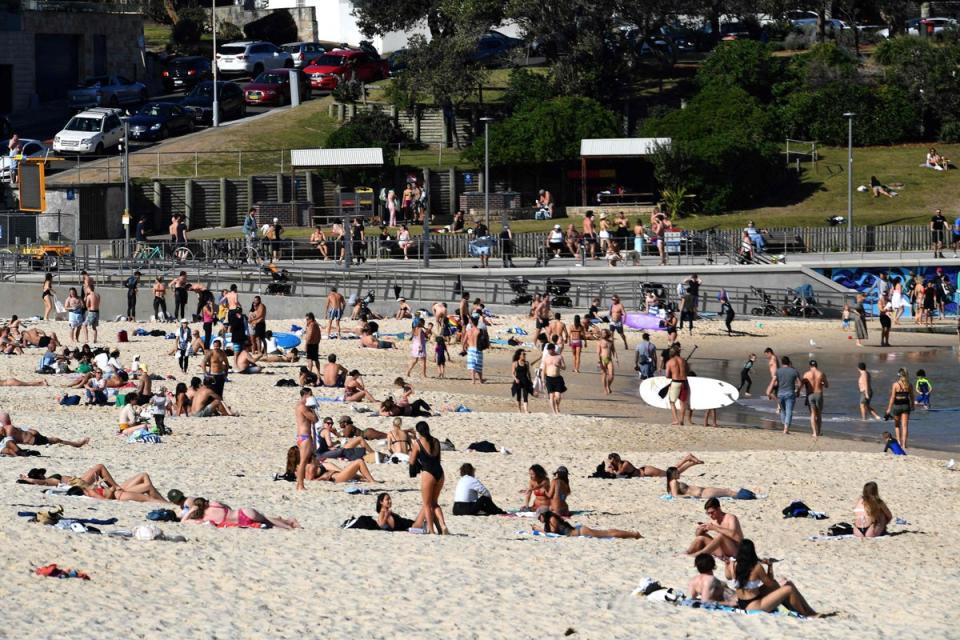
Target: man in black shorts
(938, 229)
(311, 337)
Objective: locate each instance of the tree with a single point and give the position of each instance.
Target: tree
(741, 63)
(547, 131)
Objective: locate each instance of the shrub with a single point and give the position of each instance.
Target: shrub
(186, 32)
(229, 32)
(950, 132)
(741, 63)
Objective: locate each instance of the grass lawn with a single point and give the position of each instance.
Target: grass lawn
(156, 35)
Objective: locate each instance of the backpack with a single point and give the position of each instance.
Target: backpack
(122, 336)
(483, 340)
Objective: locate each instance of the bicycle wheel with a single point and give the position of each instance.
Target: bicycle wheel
(231, 259)
(182, 254)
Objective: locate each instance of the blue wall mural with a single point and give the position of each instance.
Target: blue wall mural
(864, 279)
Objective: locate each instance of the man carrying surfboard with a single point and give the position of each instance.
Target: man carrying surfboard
(677, 370)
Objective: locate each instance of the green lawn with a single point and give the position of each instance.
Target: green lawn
(155, 35)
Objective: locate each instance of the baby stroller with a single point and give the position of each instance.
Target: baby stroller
(801, 303)
(519, 286)
(280, 285)
(557, 290)
(767, 306)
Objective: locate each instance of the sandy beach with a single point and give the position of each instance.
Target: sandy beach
(487, 580)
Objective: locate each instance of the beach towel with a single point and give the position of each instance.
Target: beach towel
(539, 534)
(518, 331)
(474, 360)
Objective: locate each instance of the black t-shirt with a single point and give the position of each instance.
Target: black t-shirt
(277, 231)
(939, 222)
(693, 287)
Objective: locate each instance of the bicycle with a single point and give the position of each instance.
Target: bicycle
(145, 254)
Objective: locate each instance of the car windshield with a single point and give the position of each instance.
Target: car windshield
(330, 61)
(291, 48)
(153, 109)
(232, 50)
(93, 82)
(203, 90)
(272, 78)
(185, 64)
(82, 123)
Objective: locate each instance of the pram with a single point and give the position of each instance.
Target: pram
(280, 285)
(558, 290)
(802, 303)
(519, 286)
(767, 306)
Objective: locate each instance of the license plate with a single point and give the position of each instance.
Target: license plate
(178, 81)
(253, 97)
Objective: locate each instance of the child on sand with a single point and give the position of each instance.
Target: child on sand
(440, 355)
(845, 317)
(705, 586)
(891, 445)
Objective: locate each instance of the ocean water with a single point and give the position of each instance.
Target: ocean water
(936, 429)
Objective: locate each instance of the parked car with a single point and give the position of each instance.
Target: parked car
(199, 101)
(273, 88)
(107, 91)
(397, 61)
(184, 73)
(91, 131)
(492, 47)
(351, 64)
(832, 24)
(933, 26)
(157, 120)
(303, 52)
(251, 57)
(28, 149)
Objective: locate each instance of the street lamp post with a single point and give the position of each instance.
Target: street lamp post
(216, 103)
(849, 116)
(486, 169)
(125, 219)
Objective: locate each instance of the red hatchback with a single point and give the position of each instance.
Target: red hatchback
(273, 88)
(326, 71)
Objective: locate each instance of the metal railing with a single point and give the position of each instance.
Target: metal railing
(176, 164)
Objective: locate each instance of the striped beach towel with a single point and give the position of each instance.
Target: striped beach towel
(474, 359)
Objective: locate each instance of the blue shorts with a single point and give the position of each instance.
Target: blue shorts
(745, 494)
(92, 319)
(335, 314)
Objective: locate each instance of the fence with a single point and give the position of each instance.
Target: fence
(17, 228)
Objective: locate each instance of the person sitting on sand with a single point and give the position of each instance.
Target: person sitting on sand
(129, 417)
(471, 497)
(8, 345)
(354, 390)
(871, 513)
(403, 310)
(399, 439)
(369, 339)
(552, 523)
(307, 378)
(222, 515)
(245, 362)
(98, 483)
(725, 527)
(181, 403)
(677, 488)
(560, 491)
(32, 437)
(706, 587)
(387, 519)
(936, 161)
(206, 403)
(756, 588)
(538, 488)
(625, 469)
(38, 338)
(333, 374)
(350, 430)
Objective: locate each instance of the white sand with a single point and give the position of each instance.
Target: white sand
(486, 581)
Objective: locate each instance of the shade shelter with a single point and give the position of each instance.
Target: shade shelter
(601, 148)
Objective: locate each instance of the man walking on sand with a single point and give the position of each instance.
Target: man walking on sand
(617, 315)
(815, 381)
(677, 371)
(334, 310)
(606, 356)
(474, 354)
(727, 534)
(215, 365)
(311, 338)
(305, 417)
(866, 391)
(559, 329)
(92, 304)
(773, 363)
(786, 384)
(553, 364)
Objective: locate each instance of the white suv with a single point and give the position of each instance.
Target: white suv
(90, 131)
(251, 57)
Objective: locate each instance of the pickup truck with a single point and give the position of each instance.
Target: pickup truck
(107, 91)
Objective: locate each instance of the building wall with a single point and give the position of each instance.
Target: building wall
(123, 34)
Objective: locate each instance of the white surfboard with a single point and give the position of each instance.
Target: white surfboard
(705, 393)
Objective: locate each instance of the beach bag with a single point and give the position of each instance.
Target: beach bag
(796, 509)
(840, 529)
(122, 336)
(163, 515)
(484, 446)
(70, 401)
(361, 522)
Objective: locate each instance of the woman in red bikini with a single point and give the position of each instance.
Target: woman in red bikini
(538, 489)
(222, 515)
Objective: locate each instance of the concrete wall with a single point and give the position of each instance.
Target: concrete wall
(122, 31)
(304, 17)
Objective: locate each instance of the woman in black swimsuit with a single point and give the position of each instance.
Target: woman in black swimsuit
(425, 460)
(756, 588)
(47, 295)
(522, 386)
